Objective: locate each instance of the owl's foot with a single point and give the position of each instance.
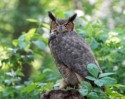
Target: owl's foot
(56, 86)
(60, 85)
(69, 87)
(63, 84)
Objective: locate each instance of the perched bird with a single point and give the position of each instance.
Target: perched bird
(71, 52)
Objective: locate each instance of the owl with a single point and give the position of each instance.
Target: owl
(71, 52)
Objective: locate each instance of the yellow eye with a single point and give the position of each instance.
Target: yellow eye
(65, 25)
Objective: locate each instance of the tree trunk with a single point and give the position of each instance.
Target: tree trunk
(61, 94)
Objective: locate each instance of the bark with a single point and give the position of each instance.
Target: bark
(26, 69)
(61, 94)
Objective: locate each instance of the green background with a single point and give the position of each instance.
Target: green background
(26, 65)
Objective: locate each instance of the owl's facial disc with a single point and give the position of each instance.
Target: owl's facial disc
(61, 25)
(61, 28)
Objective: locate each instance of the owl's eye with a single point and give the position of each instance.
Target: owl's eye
(66, 25)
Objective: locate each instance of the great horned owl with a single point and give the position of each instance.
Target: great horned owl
(71, 52)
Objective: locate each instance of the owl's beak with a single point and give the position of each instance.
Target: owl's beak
(60, 28)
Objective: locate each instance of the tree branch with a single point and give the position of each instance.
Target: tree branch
(61, 94)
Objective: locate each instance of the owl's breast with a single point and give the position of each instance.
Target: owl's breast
(53, 42)
(58, 45)
(54, 45)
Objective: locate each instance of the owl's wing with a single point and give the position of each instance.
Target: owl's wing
(76, 54)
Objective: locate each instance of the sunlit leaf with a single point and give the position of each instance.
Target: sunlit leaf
(32, 31)
(30, 34)
(119, 85)
(15, 42)
(31, 20)
(46, 25)
(117, 95)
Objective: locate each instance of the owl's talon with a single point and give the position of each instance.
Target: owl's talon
(56, 86)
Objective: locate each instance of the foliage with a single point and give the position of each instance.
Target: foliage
(100, 81)
(26, 65)
(19, 55)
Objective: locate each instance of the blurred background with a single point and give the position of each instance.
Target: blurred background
(25, 60)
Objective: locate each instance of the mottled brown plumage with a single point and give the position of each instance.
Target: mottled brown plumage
(71, 52)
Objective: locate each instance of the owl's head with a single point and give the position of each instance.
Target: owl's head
(61, 25)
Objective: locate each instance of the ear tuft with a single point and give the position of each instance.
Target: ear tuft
(72, 18)
(51, 16)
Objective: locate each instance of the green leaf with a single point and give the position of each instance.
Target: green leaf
(30, 34)
(94, 44)
(32, 31)
(46, 25)
(105, 74)
(84, 18)
(98, 90)
(105, 81)
(18, 73)
(109, 81)
(11, 74)
(90, 78)
(22, 45)
(40, 77)
(22, 37)
(116, 95)
(99, 82)
(9, 91)
(119, 85)
(93, 95)
(5, 61)
(47, 70)
(15, 42)
(29, 88)
(40, 44)
(8, 82)
(93, 69)
(86, 84)
(31, 20)
(83, 91)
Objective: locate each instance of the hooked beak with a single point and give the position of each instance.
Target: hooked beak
(60, 28)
